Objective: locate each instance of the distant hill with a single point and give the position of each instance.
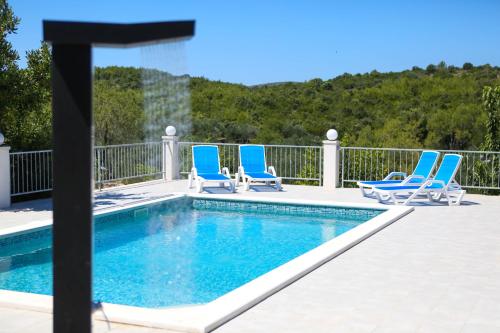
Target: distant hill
(436, 107)
(260, 85)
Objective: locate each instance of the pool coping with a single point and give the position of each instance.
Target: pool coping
(207, 317)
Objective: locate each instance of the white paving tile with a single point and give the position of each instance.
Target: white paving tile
(435, 270)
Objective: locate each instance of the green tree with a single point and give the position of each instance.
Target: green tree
(8, 56)
(25, 115)
(491, 104)
(467, 66)
(27, 123)
(9, 71)
(431, 69)
(118, 115)
(442, 66)
(33, 113)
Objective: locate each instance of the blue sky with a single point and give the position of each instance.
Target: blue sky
(262, 41)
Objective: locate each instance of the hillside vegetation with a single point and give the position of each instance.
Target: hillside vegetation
(439, 107)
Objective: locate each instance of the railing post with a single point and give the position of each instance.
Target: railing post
(170, 154)
(4, 174)
(331, 160)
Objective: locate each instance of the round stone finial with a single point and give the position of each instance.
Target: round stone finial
(2, 139)
(170, 130)
(332, 135)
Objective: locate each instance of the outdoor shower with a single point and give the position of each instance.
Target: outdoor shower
(72, 44)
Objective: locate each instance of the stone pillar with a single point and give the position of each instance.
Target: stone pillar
(170, 160)
(331, 161)
(4, 176)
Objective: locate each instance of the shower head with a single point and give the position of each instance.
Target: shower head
(115, 34)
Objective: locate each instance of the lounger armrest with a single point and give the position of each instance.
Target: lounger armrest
(239, 175)
(271, 170)
(194, 172)
(225, 171)
(435, 181)
(395, 174)
(413, 177)
(454, 186)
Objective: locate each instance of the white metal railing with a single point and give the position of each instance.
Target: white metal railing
(31, 171)
(479, 169)
(293, 163)
(128, 161)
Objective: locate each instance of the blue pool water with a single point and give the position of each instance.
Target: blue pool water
(185, 251)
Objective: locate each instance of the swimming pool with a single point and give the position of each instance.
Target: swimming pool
(184, 251)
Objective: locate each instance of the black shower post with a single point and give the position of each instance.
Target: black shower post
(72, 189)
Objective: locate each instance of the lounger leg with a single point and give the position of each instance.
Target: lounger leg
(366, 193)
(434, 197)
(190, 180)
(388, 197)
(448, 198)
(455, 197)
(363, 193)
(380, 198)
(232, 187)
(395, 199)
(199, 186)
(246, 184)
(237, 179)
(460, 196)
(244, 181)
(410, 198)
(278, 184)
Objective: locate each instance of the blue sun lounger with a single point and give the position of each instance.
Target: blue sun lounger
(253, 167)
(422, 172)
(206, 169)
(443, 184)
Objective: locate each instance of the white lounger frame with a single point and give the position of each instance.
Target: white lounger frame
(367, 189)
(390, 176)
(452, 191)
(200, 181)
(248, 180)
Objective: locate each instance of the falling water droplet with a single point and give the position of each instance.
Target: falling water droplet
(166, 89)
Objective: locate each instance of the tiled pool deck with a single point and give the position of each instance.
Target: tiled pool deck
(435, 270)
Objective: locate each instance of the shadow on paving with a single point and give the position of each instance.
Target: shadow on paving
(39, 205)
